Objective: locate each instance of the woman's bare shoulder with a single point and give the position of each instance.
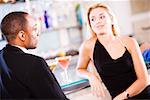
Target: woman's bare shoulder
(128, 41)
(87, 44)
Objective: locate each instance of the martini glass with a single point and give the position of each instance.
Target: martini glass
(52, 65)
(64, 63)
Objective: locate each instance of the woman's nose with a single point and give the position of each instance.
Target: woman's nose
(98, 21)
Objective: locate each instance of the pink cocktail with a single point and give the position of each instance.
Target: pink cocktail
(64, 63)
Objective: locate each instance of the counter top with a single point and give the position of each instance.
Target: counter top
(78, 88)
(85, 93)
(75, 81)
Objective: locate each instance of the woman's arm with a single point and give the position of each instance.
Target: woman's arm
(83, 61)
(140, 69)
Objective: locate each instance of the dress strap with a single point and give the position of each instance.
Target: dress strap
(121, 42)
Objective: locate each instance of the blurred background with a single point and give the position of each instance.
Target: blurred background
(64, 28)
(63, 22)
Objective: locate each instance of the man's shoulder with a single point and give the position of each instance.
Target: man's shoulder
(32, 56)
(14, 53)
(33, 60)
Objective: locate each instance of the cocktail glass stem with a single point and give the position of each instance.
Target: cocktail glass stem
(66, 75)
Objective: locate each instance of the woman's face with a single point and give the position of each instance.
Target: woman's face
(100, 21)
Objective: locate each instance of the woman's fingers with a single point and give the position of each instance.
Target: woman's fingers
(102, 89)
(97, 89)
(92, 88)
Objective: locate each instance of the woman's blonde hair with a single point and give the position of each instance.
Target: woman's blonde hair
(115, 28)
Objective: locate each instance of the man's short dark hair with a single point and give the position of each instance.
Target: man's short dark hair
(12, 23)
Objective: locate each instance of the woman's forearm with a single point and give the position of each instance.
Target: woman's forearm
(133, 90)
(137, 87)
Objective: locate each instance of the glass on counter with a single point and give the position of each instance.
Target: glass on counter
(52, 65)
(71, 81)
(64, 63)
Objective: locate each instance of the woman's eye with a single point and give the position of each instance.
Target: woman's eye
(102, 17)
(92, 19)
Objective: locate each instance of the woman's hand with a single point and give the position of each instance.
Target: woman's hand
(97, 87)
(121, 96)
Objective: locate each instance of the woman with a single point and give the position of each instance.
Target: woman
(118, 60)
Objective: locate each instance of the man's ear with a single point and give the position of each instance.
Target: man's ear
(22, 35)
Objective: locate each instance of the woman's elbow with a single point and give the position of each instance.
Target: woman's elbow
(78, 69)
(145, 81)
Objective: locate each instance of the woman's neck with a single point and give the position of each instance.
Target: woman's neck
(106, 39)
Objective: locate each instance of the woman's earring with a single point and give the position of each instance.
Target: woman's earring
(112, 23)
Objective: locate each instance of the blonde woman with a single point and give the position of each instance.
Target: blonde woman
(117, 59)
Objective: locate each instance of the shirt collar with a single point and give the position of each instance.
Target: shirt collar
(22, 48)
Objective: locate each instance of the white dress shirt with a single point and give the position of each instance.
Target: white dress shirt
(22, 48)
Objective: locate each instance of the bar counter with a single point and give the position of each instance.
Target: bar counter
(78, 87)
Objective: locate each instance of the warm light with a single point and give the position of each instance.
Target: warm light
(6, 1)
(52, 66)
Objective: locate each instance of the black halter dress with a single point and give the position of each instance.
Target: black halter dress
(117, 74)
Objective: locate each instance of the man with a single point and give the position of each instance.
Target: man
(30, 76)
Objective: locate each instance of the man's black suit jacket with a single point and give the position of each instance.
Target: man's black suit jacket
(30, 76)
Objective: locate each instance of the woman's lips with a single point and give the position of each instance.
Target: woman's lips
(99, 26)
